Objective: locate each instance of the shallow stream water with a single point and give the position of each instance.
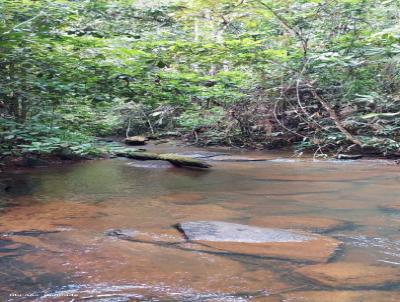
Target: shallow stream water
(57, 228)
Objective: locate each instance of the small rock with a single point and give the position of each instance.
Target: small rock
(350, 275)
(136, 140)
(122, 233)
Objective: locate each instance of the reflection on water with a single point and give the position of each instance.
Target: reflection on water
(104, 231)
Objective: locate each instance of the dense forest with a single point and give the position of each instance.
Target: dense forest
(320, 76)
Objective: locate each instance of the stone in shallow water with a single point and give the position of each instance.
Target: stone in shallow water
(232, 232)
(271, 243)
(341, 296)
(307, 223)
(136, 140)
(350, 275)
(122, 233)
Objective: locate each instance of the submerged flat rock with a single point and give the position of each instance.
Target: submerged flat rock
(235, 238)
(350, 275)
(170, 235)
(341, 296)
(169, 273)
(219, 231)
(394, 207)
(307, 223)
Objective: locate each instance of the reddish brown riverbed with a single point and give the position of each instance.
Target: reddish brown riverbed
(57, 225)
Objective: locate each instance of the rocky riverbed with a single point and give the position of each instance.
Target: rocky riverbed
(255, 227)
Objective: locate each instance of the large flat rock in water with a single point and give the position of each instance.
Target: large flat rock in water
(341, 296)
(306, 223)
(265, 242)
(218, 231)
(351, 275)
(393, 207)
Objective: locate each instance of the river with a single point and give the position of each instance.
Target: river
(105, 230)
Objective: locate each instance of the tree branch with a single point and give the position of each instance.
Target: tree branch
(334, 117)
(20, 24)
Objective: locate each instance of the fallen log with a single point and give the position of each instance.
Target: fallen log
(176, 160)
(184, 161)
(138, 155)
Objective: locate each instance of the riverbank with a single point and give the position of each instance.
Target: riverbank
(111, 147)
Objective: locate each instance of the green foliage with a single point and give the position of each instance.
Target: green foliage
(321, 75)
(196, 117)
(36, 138)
